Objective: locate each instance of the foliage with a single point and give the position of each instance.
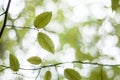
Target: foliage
(42, 20)
(47, 75)
(71, 36)
(45, 42)
(14, 63)
(34, 60)
(115, 4)
(71, 74)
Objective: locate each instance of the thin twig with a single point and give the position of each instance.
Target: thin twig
(5, 19)
(3, 66)
(57, 72)
(3, 69)
(53, 65)
(38, 74)
(23, 27)
(100, 64)
(2, 13)
(23, 75)
(30, 28)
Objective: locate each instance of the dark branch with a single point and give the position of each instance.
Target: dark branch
(53, 65)
(56, 65)
(5, 19)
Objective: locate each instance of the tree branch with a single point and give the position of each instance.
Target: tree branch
(5, 19)
(55, 65)
(30, 28)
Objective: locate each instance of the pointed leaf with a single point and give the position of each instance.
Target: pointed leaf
(45, 42)
(14, 63)
(42, 20)
(34, 60)
(115, 4)
(48, 75)
(71, 74)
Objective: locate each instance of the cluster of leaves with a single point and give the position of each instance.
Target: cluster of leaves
(70, 74)
(40, 22)
(46, 43)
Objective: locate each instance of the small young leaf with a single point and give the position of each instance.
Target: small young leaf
(48, 75)
(45, 42)
(42, 20)
(115, 4)
(14, 63)
(71, 74)
(34, 60)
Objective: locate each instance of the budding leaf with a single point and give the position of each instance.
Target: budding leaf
(45, 42)
(71, 74)
(34, 60)
(48, 75)
(42, 20)
(14, 63)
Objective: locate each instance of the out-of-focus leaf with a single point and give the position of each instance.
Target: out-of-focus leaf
(34, 60)
(70, 36)
(115, 4)
(42, 20)
(60, 15)
(48, 75)
(116, 70)
(71, 74)
(98, 73)
(45, 42)
(1, 68)
(14, 63)
(104, 75)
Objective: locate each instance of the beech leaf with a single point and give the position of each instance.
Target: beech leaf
(71, 74)
(42, 20)
(34, 60)
(45, 42)
(48, 75)
(14, 63)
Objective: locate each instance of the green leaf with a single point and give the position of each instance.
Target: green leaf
(48, 75)
(34, 60)
(42, 20)
(71, 74)
(14, 63)
(1, 68)
(45, 42)
(115, 4)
